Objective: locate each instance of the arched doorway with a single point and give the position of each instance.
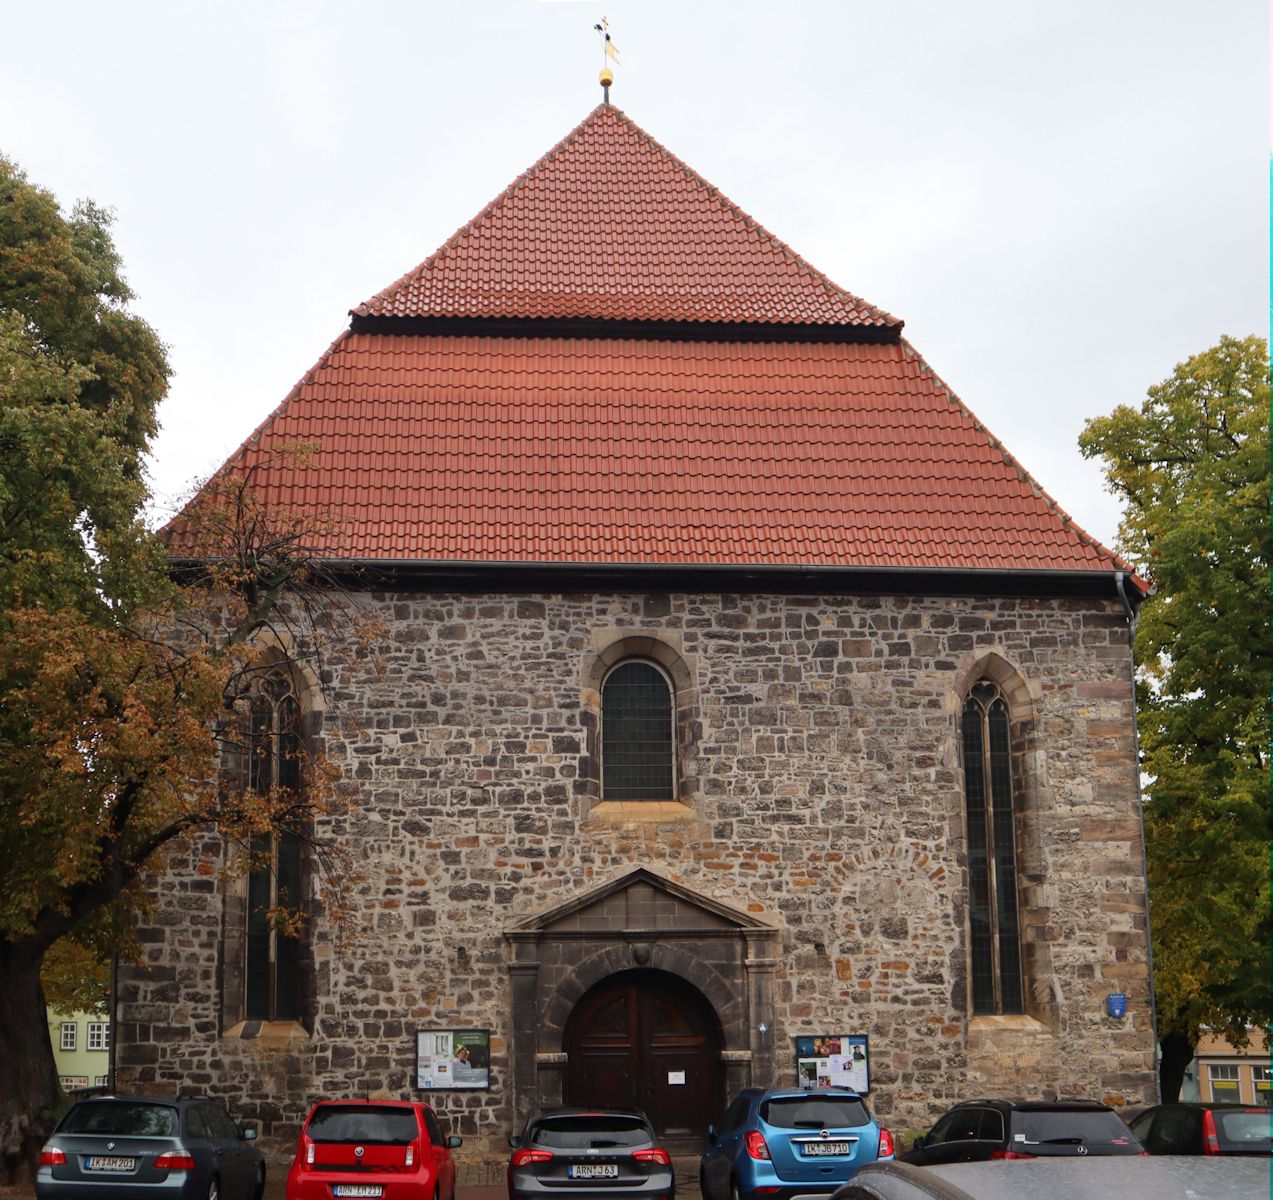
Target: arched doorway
(647, 1039)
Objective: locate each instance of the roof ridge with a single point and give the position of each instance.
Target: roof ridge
(1010, 460)
(364, 309)
(738, 211)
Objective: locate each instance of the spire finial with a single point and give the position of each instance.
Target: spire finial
(608, 51)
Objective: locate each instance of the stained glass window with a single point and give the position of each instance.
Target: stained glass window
(636, 734)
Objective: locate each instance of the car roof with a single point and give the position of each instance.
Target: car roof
(789, 1092)
(1062, 1105)
(575, 1110)
(365, 1102)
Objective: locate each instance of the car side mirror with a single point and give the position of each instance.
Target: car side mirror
(514, 1140)
(454, 1142)
(247, 1133)
(920, 1142)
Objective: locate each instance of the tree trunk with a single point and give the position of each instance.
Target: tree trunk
(29, 1090)
(1177, 1054)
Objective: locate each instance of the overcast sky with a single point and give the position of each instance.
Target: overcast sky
(1061, 199)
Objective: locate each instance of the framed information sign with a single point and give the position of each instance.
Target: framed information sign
(455, 1059)
(834, 1060)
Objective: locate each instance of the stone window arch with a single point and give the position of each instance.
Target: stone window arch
(639, 719)
(990, 811)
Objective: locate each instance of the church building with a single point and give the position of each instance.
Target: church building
(744, 712)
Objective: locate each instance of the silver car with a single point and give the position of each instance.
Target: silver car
(149, 1148)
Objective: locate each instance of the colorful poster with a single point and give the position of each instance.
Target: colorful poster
(453, 1059)
(834, 1060)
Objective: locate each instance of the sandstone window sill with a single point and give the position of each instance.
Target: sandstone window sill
(624, 812)
(268, 1033)
(1006, 1023)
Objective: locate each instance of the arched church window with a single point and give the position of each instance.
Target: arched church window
(637, 736)
(271, 975)
(994, 932)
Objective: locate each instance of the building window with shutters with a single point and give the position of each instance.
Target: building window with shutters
(638, 736)
(993, 924)
(272, 953)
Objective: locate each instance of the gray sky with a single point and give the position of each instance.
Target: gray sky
(1061, 199)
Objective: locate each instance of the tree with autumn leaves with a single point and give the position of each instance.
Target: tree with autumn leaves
(117, 686)
(1191, 466)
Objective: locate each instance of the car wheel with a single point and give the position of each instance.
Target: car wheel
(735, 1192)
(702, 1184)
(258, 1188)
(214, 1190)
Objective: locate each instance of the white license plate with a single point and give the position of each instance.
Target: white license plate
(357, 1189)
(819, 1149)
(593, 1171)
(103, 1162)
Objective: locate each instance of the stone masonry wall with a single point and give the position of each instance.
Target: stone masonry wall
(820, 789)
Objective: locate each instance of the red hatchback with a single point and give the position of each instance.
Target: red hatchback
(372, 1150)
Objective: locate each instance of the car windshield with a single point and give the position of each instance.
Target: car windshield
(1059, 1125)
(121, 1117)
(1251, 1126)
(582, 1132)
(814, 1112)
(363, 1123)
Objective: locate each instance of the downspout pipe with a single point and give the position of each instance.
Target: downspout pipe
(1123, 587)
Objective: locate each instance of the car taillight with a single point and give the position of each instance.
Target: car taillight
(411, 1154)
(175, 1160)
(50, 1157)
(657, 1155)
(756, 1145)
(999, 1154)
(1210, 1142)
(309, 1151)
(522, 1157)
(886, 1145)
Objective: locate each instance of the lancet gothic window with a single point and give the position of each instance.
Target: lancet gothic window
(994, 932)
(271, 974)
(637, 735)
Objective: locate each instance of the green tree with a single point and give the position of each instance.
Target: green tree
(117, 686)
(1191, 466)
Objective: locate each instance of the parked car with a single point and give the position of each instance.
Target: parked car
(377, 1149)
(122, 1147)
(580, 1151)
(1201, 1128)
(1136, 1178)
(789, 1142)
(977, 1130)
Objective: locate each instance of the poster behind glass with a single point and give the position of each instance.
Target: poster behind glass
(453, 1059)
(834, 1060)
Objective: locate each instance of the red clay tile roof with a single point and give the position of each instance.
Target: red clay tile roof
(484, 449)
(609, 226)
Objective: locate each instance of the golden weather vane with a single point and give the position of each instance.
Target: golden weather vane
(609, 53)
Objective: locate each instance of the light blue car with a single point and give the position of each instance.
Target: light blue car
(789, 1143)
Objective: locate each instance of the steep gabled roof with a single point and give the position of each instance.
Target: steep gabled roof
(609, 226)
(613, 367)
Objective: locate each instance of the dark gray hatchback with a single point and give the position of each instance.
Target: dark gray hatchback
(149, 1148)
(589, 1154)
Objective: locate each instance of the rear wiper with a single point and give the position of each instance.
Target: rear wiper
(810, 1125)
(597, 1144)
(1069, 1141)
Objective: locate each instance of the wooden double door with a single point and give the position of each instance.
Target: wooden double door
(646, 1039)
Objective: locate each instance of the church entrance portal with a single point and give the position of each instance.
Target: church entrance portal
(646, 1039)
